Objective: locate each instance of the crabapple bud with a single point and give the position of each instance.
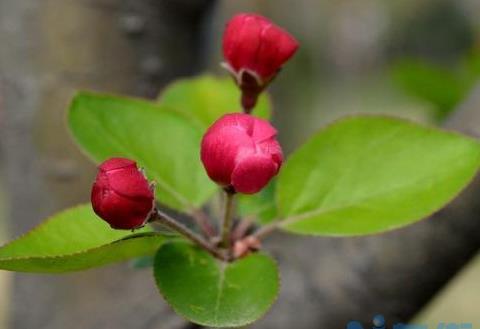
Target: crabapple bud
(121, 194)
(255, 49)
(241, 153)
(244, 247)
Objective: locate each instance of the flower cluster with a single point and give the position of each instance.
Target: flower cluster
(239, 152)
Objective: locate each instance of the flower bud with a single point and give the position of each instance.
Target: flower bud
(244, 247)
(255, 49)
(241, 153)
(121, 195)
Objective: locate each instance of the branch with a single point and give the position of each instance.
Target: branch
(203, 221)
(175, 225)
(119, 46)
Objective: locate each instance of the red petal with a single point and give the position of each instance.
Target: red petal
(277, 46)
(253, 173)
(117, 163)
(219, 151)
(129, 182)
(253, 42)
(262, 130)
(124, 213)
(241, 40)
(241, 121)
(272, 148)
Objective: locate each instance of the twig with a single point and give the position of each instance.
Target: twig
(241, 229)
(227, 220)
(266, 230)
(186, 232)
(203, 221)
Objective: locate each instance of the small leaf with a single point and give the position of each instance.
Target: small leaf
(207, 98)
(74, 240)
(212, 293)
(369, 174)
(164, 142)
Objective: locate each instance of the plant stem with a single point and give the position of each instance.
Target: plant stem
(265, 230)
(241, 229)
(248, 102)
(227, 220)
(203, 222)
(171, 223)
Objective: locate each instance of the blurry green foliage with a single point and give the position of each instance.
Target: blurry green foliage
(206, 98)
(440, 86)
(261, 207)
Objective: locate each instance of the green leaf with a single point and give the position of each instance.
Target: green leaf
(212, 293)
(207, 98)
(74, 240)
(162, 141)
(260, 207)
(369, 174)
(431, 83)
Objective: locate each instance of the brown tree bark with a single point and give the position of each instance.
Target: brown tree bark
(50, 48)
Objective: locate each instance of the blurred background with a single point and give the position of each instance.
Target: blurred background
(418, 59)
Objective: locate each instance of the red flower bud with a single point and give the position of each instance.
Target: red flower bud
(241, 152)
(255, 49)
(121, 195)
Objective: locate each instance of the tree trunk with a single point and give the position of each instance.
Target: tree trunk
(50, 48)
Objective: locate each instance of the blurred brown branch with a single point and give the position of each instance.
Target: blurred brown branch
(54, 48)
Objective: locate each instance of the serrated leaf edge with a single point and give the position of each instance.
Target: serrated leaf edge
(278, 280)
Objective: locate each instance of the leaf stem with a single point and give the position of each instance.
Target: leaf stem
(171, 223)
(241, 229)
(227, 219)
(266, 230)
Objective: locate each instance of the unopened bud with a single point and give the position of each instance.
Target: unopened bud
(121, 195)
(255, 49)
(241, 153)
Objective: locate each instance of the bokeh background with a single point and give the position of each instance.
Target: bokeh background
(418, 59)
